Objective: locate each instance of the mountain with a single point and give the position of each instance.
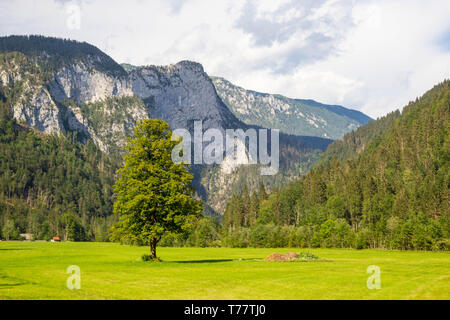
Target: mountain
(183, 93)
(180, 94)
(386, 185)
(293, 116)
(67, 87)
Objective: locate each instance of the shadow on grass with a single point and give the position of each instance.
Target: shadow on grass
(203, 261)
(12, 249)
(211, 260)
(18, 282)
(13, 282)
(9, 285)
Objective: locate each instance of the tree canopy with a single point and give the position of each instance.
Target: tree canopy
(154, 195)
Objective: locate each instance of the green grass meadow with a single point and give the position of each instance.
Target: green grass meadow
(37, 270)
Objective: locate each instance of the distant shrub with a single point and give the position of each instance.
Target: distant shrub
(307, 256)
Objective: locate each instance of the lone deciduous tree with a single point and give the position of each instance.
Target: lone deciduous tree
(154, 195)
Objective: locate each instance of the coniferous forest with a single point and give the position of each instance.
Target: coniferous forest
(52, 185)
(386, 185)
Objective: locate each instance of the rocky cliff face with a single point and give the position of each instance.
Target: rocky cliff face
(82, 83)
(180, 94)
(77, 98)
(32, 102)
(43, 116)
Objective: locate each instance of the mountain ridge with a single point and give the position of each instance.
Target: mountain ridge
(293, 116)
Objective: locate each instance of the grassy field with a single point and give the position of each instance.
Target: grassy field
(37, 270)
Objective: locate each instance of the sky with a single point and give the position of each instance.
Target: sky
(373, 56)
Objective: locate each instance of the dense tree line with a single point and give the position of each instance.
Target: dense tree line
(52, 185)
(384, 186)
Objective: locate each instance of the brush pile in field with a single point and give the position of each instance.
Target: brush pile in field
(307, 256)
(282, 257)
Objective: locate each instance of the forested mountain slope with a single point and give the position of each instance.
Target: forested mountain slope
(386, 185)
(52, 185)
(357, 141)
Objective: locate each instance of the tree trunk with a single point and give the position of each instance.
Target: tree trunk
(153, 242)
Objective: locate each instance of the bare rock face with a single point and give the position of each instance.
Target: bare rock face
(78, 97)
(282, 257)
(33, 104)
(180, 94)
(83, 84)
(39, 112)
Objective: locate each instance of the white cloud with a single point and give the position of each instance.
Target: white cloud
(374, 56)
